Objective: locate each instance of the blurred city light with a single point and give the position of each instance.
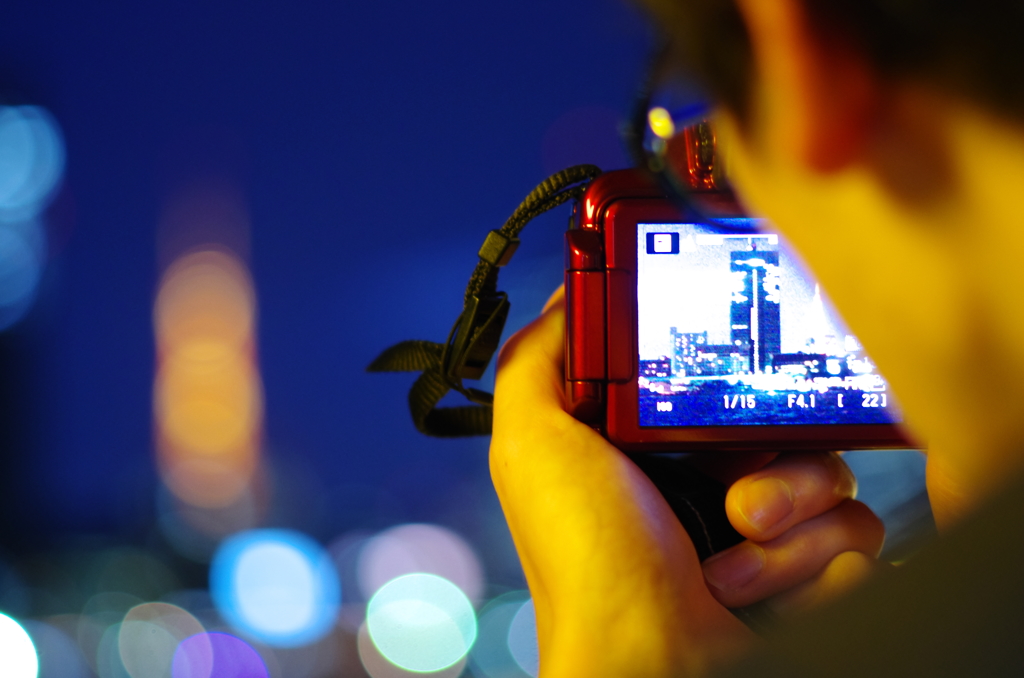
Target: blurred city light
(206, 305)
(491, 656)
(18, 658)
(31, 166)
(208, 398)
(20, 270)
(378, 666)
(150, 635)
(421, 622)
(97, 629)
(108, 657)
(420, 548)
(31, 160)
(59, 656)
(522, 639)
(278, 586)
(217, 655)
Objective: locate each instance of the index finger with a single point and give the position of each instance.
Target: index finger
(793, 488)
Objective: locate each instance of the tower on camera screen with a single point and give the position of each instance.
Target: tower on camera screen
(733, 331)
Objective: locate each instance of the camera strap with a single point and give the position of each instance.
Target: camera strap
(476, 334)
(697, 500)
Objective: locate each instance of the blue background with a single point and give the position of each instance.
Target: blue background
(376, 144)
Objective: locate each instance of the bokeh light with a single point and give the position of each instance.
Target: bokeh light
(97, 629)
(419, 548)
(206, 304)
(208, 396)
(31, 166)
(20, 268)
(149, 636)
(421, 622)
(522, 639)
(217, 655)
(31, 160)
(18, 658)
(378, 666)
(661, 123)
(278, 586)
(59, 656)
(491, 657)
(108, 657)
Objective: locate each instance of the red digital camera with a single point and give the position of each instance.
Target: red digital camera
(685, 335)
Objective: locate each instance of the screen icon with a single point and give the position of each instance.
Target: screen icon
(663, 243)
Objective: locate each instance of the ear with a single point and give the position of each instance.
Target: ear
(815, 91)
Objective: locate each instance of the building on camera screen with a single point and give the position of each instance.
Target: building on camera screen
(733, 331)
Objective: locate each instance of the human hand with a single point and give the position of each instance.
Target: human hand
(616, 583)
(807, 541)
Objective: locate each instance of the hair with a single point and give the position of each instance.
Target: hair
(969, 49)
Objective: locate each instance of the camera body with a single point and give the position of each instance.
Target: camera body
(684, 336)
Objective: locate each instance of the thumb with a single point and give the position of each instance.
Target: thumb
(602, 551)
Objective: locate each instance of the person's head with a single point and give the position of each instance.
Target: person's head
(968, 49)
(886, 139)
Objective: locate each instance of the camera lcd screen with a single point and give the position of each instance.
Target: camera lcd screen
(733, 331)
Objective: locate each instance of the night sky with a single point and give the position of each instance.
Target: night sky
(375, 144)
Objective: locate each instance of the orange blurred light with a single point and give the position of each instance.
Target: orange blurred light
(206, 483)
(207, 395)
(208, 407)
(206, 296)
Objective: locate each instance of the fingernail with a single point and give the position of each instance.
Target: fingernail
(735, 568)
(766, 502)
